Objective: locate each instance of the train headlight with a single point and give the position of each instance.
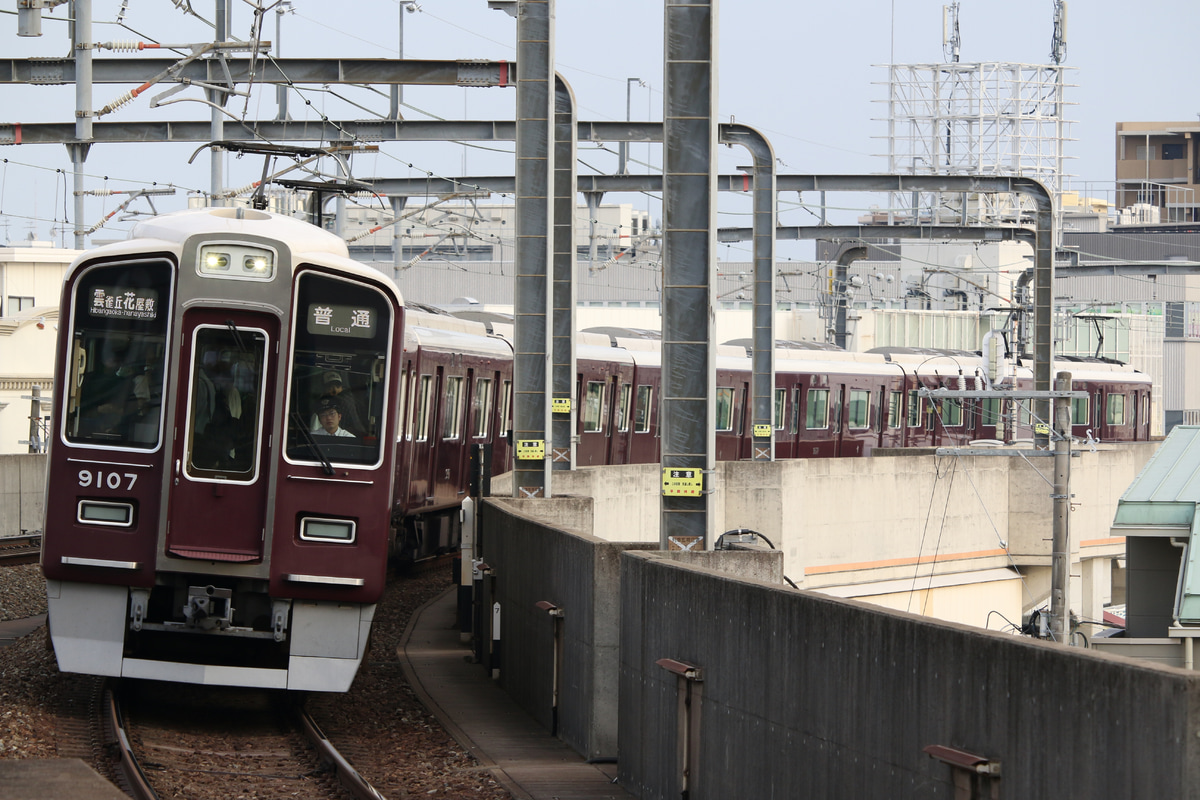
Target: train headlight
(236, 262)
(216, 262)
(318, 529)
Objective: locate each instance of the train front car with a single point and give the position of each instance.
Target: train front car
(219, 500)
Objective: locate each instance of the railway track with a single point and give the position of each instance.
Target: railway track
(15, 550)
(197, 742)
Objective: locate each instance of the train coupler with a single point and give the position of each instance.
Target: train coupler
(209, 608)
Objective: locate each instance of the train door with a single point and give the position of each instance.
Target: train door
(219, 487)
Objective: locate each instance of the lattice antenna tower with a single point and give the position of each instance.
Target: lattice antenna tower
(976, 118)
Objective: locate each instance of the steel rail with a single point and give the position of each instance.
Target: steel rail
(127, 765)
(347, 775)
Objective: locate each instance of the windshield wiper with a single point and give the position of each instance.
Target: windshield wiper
(237, 335)
(311, 441)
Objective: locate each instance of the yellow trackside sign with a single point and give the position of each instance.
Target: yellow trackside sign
(678, 482)
(560, 405)
(531, 449)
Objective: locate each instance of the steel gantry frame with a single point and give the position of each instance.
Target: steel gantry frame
(478, 73)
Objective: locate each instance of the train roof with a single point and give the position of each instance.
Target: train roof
(789, 344)
(306, 242)
(455, 341)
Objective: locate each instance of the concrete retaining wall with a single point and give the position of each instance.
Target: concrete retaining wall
(579, 575)
(22, 493)
(808, 696)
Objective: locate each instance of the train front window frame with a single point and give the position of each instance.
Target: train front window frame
(340, 359)
(228, 374)
(117, 366)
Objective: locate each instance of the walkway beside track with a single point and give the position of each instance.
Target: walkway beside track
(523, 756)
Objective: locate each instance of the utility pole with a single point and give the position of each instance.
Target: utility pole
(1060, 566)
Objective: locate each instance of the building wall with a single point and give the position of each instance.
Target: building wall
(27, 337)
(944, 533)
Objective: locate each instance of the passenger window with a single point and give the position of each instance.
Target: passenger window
(952, 412)
(991, 411)
(1116, 409)
(724, 409)
(452, 413)
(481, 405)
(1079, 410)
(593, 407)
(860, 409)
(794, 423)
(816, 415)
(780, 406)
(623, 407)
(895, 404)
(424, 396)
(505, 408)
(914, 408)
(642, 409)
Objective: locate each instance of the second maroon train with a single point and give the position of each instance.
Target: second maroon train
(250, 422)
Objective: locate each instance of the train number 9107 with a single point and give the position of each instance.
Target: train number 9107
(101, 479)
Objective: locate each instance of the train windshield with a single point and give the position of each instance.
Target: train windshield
(228, 368)
(336, 411)
(117, 358)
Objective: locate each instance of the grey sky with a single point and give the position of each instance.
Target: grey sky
(804, 73)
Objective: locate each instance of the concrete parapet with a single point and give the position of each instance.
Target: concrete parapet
(794, 694)
(22, 493)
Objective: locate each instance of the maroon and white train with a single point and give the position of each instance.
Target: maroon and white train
(250, 422)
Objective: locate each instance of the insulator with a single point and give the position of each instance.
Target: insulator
(235, 192)
(125, 45)
(124, 99)
(978, 381)
(962, 381)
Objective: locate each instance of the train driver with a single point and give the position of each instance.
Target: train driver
(329, 413)
(333, 386)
